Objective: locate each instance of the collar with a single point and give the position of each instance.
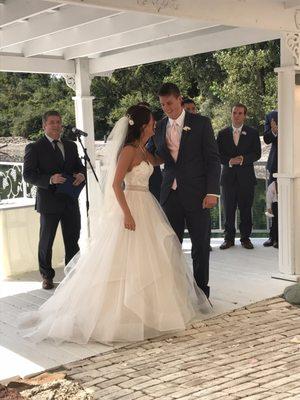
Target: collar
(179, 121)
(51, 140)
(238, 129)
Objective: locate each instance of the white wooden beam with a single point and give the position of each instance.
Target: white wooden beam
(113, 25)
(16, 10)
(36, 65)
(232, 37)
(139, 36)
(66, 18)
(266, 14)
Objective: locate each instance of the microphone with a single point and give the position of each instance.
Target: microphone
(73, 129)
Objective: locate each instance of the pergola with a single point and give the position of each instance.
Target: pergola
(81, 39)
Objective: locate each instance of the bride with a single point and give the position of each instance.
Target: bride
(132, 282)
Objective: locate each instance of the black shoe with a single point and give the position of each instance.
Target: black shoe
(47, 284)
(268, 243)
(226, 244)
(275, 244)
(247, 244)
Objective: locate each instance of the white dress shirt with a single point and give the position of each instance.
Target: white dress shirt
(59, 144)
(179, 124)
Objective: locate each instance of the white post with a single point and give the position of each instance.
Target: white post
(288, 176)
(85, 121)
(84, 105)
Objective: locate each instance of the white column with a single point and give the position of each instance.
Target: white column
(84, 105)
(289, 162)
(83, 101)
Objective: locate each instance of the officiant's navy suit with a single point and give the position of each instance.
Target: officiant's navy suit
(40, 163)
(197, 173)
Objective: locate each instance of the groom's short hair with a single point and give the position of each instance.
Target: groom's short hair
(168, 89)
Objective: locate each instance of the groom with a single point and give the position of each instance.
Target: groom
(191, 176)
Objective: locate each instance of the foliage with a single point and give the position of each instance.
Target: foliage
(215, 81)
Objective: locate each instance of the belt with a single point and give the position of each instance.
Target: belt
(137, 187)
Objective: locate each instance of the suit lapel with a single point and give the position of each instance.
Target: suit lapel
(184, 135)
(66, 150)
(164, 137)
(231, 141)
(242, 138)
(49, 147)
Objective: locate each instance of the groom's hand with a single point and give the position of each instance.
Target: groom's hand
(209, 201)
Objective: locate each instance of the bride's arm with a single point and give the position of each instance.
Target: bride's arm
(123, 165)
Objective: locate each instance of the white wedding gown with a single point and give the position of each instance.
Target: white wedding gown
(127, 285)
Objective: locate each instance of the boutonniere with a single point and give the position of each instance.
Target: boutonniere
(186, 128)
(243, 133)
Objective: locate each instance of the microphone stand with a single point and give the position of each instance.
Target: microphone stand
(87, 161)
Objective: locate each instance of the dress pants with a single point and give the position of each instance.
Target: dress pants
(241, 197)
(70, 225)
(198, 225)
(274, 227)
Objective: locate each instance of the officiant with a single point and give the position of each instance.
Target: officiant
(53, 165)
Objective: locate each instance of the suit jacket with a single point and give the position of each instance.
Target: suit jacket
(197, 169)
(40, 164)
(249, 147)
(272, 163)
(155, 179)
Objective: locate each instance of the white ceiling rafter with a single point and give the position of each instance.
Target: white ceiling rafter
(120, 33)
(119, 23)
(266, 14)
(163, 30)
(17, 10)
(188, 46)
(40, 65)
(66, 18)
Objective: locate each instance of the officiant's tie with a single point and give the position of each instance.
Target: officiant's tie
(58, 154)
(173, 145)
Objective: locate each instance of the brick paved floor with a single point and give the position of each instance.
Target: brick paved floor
(251, 353)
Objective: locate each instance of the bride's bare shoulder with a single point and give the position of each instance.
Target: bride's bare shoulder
(128, 151)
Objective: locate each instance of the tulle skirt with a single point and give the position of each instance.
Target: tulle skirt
(125, 286)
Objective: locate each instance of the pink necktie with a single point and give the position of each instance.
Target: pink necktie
(173, 142)
(236, 137)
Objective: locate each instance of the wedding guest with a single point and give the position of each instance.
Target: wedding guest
(272, 211)
(190, 106)
(271, 137)
(47, 163)
(239, 148)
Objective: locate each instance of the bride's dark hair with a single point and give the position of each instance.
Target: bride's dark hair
(138, 116)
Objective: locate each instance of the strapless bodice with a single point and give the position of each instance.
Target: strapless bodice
(139, 175)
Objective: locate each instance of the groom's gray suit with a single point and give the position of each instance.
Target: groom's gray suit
(197, 173)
